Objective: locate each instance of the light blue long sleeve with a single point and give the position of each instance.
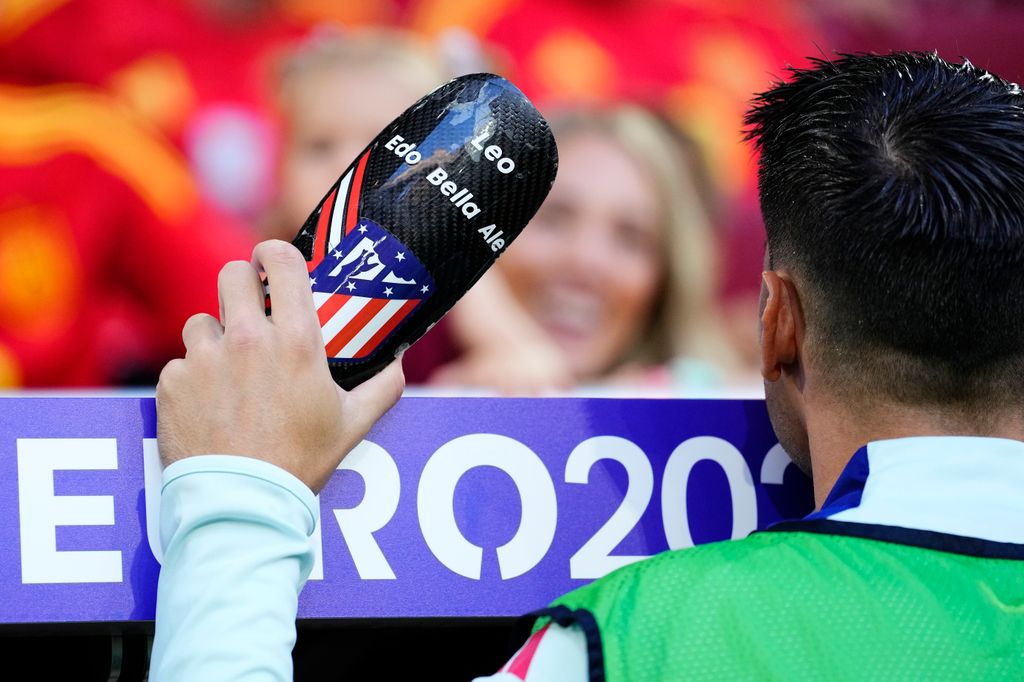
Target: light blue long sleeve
(236, 554)
(235, 533)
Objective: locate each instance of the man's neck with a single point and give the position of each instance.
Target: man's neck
(835, 432)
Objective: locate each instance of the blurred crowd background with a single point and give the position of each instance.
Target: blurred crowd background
(144, 143)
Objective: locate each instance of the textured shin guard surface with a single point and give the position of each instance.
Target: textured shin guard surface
(420, 215)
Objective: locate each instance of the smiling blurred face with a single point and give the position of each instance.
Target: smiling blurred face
(589, 266)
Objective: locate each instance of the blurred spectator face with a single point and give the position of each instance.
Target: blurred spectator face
(590, 265)
(333, 113)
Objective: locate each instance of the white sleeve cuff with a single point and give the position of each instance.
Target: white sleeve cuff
(230, 484)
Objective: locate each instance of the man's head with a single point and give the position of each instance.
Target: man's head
(892, 189)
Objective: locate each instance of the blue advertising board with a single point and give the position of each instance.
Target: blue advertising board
(452, 507)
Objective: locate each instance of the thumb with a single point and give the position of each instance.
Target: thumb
(369, 400)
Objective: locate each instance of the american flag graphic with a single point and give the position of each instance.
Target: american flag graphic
(365, 281)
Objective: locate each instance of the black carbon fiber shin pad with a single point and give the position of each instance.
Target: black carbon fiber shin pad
(420, 215)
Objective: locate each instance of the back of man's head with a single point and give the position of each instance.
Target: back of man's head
(892, 189)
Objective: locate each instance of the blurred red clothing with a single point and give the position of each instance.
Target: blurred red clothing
(987, 33)
(105, 246)
(201, 77)
(198, 74)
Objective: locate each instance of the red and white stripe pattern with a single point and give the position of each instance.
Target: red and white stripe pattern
(353, 326)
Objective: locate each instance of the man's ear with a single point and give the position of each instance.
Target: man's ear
(782, 325)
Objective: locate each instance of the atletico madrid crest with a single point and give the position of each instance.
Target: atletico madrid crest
(365, 281)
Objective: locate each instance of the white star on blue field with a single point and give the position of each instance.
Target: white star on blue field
(370, 262)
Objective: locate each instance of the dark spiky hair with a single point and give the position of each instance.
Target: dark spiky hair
(893, 188)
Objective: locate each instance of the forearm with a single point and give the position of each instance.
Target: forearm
(236, 555)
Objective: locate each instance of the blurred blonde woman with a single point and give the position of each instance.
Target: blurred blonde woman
(618, 268)
(612, 281)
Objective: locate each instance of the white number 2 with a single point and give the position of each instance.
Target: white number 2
(594, 559)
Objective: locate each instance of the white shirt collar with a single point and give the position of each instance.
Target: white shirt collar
(958, 485)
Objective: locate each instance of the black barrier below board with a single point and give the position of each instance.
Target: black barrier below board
(450, 650)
